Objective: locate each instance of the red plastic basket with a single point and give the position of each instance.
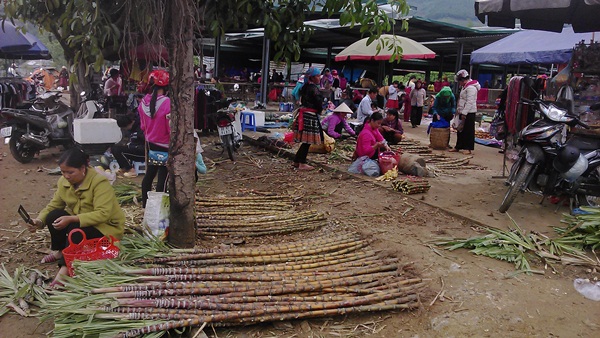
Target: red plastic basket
(89, 249)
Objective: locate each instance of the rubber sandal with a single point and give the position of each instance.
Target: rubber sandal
(453, 150)
(50, 258)
(466, 152)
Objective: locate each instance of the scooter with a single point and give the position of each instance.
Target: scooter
(231, 138)
(49, 122)
(553, 163)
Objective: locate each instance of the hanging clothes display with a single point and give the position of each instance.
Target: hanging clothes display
(14, 91)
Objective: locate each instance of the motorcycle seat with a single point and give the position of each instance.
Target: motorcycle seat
(584, 143)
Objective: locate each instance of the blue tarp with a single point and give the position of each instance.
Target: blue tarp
(531, 47)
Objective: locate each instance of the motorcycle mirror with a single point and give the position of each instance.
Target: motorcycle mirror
(82, 94)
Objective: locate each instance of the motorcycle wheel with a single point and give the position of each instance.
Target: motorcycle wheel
(515, 186)
(19, 151)
(588, 200)
(228, 145)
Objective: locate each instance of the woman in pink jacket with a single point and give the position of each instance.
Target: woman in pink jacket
(154, 113)
(370, 141)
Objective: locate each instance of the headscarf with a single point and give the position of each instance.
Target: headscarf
(312, 71)
(445, 93)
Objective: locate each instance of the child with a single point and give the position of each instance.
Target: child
(391, 127)
(334, 123)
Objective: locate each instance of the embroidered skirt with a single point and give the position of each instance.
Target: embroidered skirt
(311, 131)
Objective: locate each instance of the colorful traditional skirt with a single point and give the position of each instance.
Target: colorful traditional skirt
(307, 127)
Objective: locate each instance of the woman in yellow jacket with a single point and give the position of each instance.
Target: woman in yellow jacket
(83, 200)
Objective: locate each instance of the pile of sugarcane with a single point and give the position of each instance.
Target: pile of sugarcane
(413, 147)
(318, 277)
(253, 216)
(518, 247)
(25, 287)
(411, 185)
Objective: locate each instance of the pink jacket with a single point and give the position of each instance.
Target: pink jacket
(156, 130)
(366, 140)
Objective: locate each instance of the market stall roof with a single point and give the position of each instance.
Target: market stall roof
(531, 47)
(442, 38)
(540, 14)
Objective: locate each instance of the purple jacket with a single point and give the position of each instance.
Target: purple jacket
(330, 122)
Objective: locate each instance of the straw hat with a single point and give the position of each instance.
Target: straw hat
(343, 108)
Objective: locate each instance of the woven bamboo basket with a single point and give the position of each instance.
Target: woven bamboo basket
(439, 138)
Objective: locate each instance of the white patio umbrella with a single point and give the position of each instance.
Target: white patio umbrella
(359, 50)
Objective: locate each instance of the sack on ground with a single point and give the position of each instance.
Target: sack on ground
(412, 164)
(156, 214)
(324, 148)
(364, 165)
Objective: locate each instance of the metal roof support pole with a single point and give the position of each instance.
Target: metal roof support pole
(265, 70)
(459, 56)
(391, 73)
(328, 61)
(217, 58)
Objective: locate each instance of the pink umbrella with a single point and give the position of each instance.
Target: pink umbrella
(359, 50)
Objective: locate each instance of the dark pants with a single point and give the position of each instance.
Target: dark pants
(59, 238)
(151, 173)
(302, 153)
(416, 113)
(124, 154)
(465, 139)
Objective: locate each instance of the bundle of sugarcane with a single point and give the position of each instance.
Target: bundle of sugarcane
(24, 288)
(411, 185)
(413, 149)
(323, 276)
(256, 216)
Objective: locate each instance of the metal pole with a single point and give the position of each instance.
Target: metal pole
(264, 84)
(217, 58)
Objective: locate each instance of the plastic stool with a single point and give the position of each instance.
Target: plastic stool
(251, 121)
(140, 167)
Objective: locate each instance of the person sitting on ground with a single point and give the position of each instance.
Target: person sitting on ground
(133, 151)
(391, 127)
(444, 105)
(365, 108)
(83, 200)
(370, 142)
(334, 123)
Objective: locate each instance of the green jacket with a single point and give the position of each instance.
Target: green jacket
(94, 202)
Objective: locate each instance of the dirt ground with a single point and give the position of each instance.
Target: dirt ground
(477, 296)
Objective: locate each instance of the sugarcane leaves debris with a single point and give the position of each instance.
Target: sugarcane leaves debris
(518, 247)
(21, 290)
(127, 193)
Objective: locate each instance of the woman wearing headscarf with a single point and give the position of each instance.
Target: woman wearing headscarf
(306, 126)
(444, 105)
(466, 108)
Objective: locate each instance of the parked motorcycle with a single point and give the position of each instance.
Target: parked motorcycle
(552, 163)
(231, 137)
(49, 122)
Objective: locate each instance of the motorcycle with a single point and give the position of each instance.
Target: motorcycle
(49, 122)
(230, 136)
(91, 106)
(553, 163)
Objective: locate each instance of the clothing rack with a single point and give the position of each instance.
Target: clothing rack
(14, 90)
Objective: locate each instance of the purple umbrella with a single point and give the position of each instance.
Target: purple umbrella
(12, 40)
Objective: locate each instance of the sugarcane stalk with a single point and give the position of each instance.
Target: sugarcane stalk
(405, 302)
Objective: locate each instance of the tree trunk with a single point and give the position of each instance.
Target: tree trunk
(182, 150)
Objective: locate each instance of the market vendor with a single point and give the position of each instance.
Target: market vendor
(334, 123)
(391, 127)
(83, 200)
(370, 142)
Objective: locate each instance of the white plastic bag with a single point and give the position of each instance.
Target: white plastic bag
(156, 214)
